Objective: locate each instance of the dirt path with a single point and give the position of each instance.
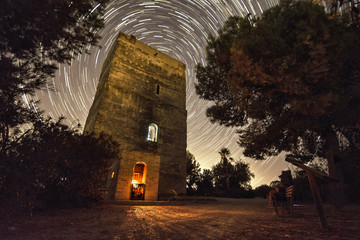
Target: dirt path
(221, 219)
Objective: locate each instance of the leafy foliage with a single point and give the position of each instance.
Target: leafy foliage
(45, 163)
(288, 78)
(192, 173)
(205, 185)
(302, 190)
(231, 177)
(34, 35)
(223, 169)
(228, 178)
(262, 191)
(53, 165)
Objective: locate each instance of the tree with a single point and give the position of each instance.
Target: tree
(242, 174)
(192, 173)
(230, 177)
(34, 36)
(262, 191)
(45, 161)
(206, 186)
(274, 183)
(289, 79)
(54, 165)
(225, 162)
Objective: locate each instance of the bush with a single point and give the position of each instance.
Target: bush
(54, 166)
(240, 192)
(262, 191)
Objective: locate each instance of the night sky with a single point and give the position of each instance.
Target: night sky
(178, 28)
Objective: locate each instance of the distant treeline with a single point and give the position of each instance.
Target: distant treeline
(213, 182)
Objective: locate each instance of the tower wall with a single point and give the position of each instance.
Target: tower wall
(139, 86)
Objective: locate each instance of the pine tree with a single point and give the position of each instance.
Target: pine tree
(34, 36)
(289, 79)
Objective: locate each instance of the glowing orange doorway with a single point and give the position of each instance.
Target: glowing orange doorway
(138, 182)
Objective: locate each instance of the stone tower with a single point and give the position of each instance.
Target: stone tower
(140, 101)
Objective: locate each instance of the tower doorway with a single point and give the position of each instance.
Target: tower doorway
(138, 182)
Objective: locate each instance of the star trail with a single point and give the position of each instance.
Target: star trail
(178, 28)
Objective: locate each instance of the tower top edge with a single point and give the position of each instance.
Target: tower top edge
(132, 39)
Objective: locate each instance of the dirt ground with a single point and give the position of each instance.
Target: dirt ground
(190, 219)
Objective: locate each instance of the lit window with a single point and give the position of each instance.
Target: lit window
(152, 132)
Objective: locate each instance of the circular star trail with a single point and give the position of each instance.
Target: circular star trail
(178, 28)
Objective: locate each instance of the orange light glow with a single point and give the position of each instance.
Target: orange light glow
(134, 182)
(139, 173)
(138, 182)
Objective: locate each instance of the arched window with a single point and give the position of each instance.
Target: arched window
(152, 132)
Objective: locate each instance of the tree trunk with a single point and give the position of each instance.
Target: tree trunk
(336, 188)
(227, 183)
(227, 176)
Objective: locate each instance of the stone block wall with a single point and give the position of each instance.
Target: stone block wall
(127, 164)
(139, 86)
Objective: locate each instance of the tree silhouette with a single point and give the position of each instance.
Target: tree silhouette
(262, 191)
(41, 158)
(54, 165)
(290, 79)
(34, 37)
(231, 176)
(192, 173)
(225, 162)
(206, 186)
